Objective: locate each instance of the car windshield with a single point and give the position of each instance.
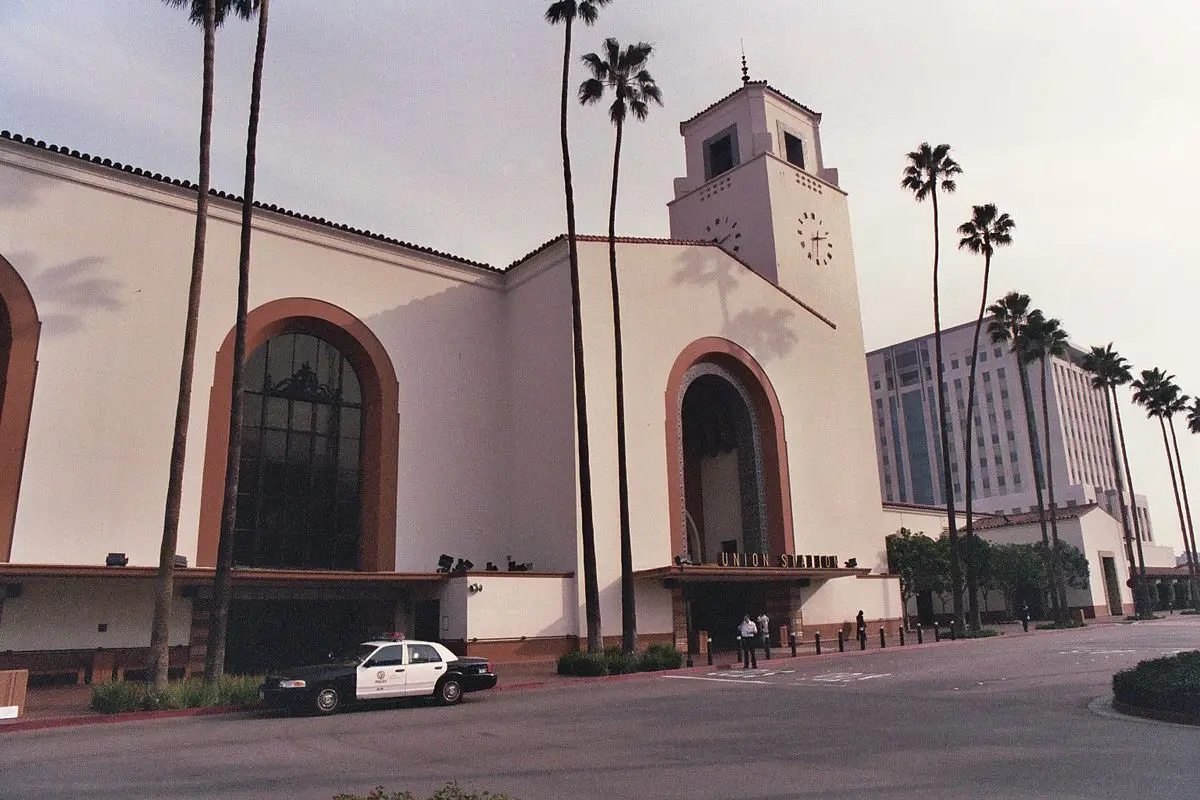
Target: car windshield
(354, 657)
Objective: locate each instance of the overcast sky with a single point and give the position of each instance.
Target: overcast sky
(437, 123)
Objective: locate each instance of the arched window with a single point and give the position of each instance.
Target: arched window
(19, 330)
(301, 470)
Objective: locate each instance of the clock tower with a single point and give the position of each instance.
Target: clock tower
(757, 185)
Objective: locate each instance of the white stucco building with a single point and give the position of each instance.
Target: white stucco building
(403, 404)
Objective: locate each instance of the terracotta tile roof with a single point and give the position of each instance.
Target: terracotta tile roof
(183, 184)
(768, 86)
(927, 507)
(1031, 517)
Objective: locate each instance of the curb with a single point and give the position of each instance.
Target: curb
(80, 720)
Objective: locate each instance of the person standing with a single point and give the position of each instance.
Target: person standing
(764, 630)
(861, 625)
(748, 632)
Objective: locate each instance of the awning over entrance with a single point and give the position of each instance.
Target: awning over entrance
(712, 573)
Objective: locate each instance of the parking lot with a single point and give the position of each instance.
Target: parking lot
(1013, 716)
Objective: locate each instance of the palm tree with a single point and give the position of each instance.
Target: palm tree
(930, 169)
(1110, 370)
(566, 11)
(1156, 391)
(1193, 419)
(214, 660)
(624, 73)
(1176, 403)
(1046, 339)
(209, 15)
(1010, 316)
(982, 234)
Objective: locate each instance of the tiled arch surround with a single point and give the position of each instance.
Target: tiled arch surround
(19, 331)
(377, 547)
(750, 377)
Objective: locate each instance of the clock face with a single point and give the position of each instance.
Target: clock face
(814, 239)
(724, 232)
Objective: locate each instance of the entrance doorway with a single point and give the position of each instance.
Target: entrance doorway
(718, 608)
(1112, 586)
(267, 634)
(722, 468)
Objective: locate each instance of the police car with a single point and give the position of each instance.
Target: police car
(386, 668)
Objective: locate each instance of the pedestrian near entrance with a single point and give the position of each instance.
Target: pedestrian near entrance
(748, 632)
(764, 630)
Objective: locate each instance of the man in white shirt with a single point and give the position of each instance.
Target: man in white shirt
(748, 632)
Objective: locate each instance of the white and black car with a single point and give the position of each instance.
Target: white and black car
(382, 669)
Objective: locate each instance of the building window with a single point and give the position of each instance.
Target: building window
(877, 386)
(721, 153)
(983, 355)
(997, 352)
(954, 363)
(794, 148)
(299, 500)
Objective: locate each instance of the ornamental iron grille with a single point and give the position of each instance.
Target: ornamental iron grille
(299, 504)
(716, 416)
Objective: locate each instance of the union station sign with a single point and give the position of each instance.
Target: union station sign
(780, 560)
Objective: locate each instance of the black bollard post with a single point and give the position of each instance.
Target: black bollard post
(841, 642)
(902, 636)
(882, 638)
(953, 630)
(709, 638)
(920, 634)
(767, 647)
(937, 633)
(792, 642)
(862, 639)
(1025, 625)
(741, 657)
(817, 639)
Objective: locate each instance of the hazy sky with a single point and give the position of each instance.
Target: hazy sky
(437, 123)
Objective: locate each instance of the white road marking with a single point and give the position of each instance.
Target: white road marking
(714, 680)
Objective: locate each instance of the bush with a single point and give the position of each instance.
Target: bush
(1059, 626)
(451, 791)
(117, 697)
(982, 633)
(660, 656)
(618, 663)
(586, 665)
(1170, 684)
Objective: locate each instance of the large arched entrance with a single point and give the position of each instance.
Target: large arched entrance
(19, 330)
(729, 487)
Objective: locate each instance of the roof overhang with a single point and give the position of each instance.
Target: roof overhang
(712, 573)
(195, 576)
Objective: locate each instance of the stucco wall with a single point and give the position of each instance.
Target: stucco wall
(510, 606)
(837, 601)
(58, 613)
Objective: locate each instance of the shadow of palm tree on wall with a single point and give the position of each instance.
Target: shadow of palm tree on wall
(68, 293)
(767, 332)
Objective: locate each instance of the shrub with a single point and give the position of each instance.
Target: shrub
(660, 656)
(1169, 684)
(982, 633)
(118, 697)
(586, 665)
(1058, 626)
(451, 791)
(568, 663)
(619, 663)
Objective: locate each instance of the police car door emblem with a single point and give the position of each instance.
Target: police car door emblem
(381, 675)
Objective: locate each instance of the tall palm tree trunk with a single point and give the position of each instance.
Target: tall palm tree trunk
(968, 446)
(1179, 508)
(628, 600)
(1060, 585)
(214, 660)
(158, 662)
(1119, 479)
(591, 587)
(1143, 589)
(1036, 458)
(1194, 568)
(947, 478)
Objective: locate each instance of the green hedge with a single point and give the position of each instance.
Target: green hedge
(613, 662)
(982, 633)
(117, 697)
(1170, 684)
(451, 791)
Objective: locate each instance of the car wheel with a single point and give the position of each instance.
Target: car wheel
(449, 691)
(326, 700)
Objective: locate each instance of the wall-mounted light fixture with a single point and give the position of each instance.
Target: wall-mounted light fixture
(475, 588)
(116, 560)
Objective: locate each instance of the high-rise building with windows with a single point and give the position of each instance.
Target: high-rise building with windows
(909, 450)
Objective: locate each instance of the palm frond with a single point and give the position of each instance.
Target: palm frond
(590, 91)
(589, 10)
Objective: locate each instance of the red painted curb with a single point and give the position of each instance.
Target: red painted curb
(106, 719)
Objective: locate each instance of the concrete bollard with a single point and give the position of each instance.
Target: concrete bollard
(953, 630)
(792, 642)
(766, 647)
(841, 642)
